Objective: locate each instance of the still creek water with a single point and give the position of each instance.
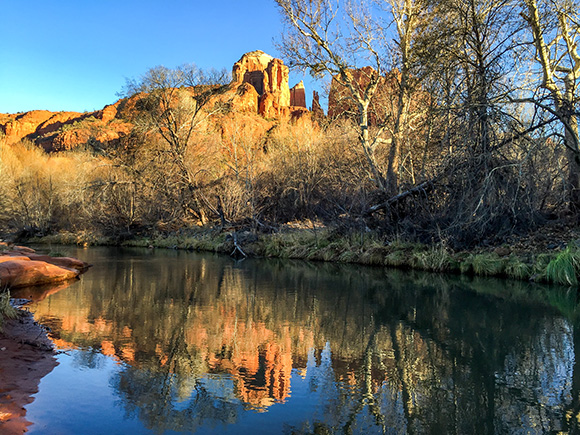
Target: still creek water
(163, 341)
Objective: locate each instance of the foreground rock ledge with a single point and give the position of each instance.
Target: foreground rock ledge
(23, 267)
(26, 356)
(26, 351)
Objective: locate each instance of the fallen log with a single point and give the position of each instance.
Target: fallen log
(424, 187)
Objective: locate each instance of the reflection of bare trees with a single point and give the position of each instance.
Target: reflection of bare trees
(380, 352)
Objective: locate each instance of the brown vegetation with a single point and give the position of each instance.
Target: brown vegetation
(186, 148)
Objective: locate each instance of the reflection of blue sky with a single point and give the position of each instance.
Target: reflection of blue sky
(538, 380)
(80, 396)
(220, 386)
(76, 400)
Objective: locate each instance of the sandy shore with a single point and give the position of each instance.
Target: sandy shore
(26, 356)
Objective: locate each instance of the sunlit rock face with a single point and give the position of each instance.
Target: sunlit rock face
(60, 131)
(298, 95)
(341, 104)
(269, 76)
(317, 111)
(39, 122)
(23, 268)
(259, 86)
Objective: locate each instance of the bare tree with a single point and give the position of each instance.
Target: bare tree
(337, 37)
(173, 103)
(555, 29)
(406, 15)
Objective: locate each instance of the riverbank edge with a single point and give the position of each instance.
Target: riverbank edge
(560, 265)
(27, 355)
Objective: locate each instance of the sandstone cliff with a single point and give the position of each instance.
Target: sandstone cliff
(259, 85)
(269, 77)
(59, 131)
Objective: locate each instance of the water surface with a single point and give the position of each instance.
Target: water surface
(160, 341)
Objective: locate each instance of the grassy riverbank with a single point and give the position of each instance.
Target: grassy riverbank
(560, 264)
(7, 310)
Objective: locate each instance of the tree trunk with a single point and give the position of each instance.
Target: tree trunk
(395, 150)
(366, 146)
(573, 154)
(570, 122)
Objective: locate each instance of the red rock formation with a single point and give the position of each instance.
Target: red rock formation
(298, 95)
(47, 128)
(16, 127)
(21, 267)
(22, 273)
(242, 98)
(317, 111)
(56, 121)
(259, 85)
(68, 262)
(269, 77)
(340, 103)
(108, 113)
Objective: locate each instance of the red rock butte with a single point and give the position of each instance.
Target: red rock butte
(259, 85)
(269, 78)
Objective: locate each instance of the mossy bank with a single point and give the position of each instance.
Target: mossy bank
(560, 265)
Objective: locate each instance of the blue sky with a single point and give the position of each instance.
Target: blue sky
(75, 54)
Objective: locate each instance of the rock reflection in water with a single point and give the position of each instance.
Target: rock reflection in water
(203, 340)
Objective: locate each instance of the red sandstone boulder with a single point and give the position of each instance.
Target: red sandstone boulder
(68, 262)
(13, 256)
(23, 273)
(22, 267)
(23, 249)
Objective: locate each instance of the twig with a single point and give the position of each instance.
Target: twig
(237, 246)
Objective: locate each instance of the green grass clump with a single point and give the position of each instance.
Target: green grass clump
(81, 238)
(466, 265)
(138, 243)
(396, 259)
(487, 264)
(435, 259)
(516, 268)
(564, 268)
(540, 265)
(349, 257)
(7, 311)
(373, 257)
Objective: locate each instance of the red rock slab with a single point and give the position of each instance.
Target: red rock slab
(68, 262)
(25, 358)
(12, 257)
(23, 273)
